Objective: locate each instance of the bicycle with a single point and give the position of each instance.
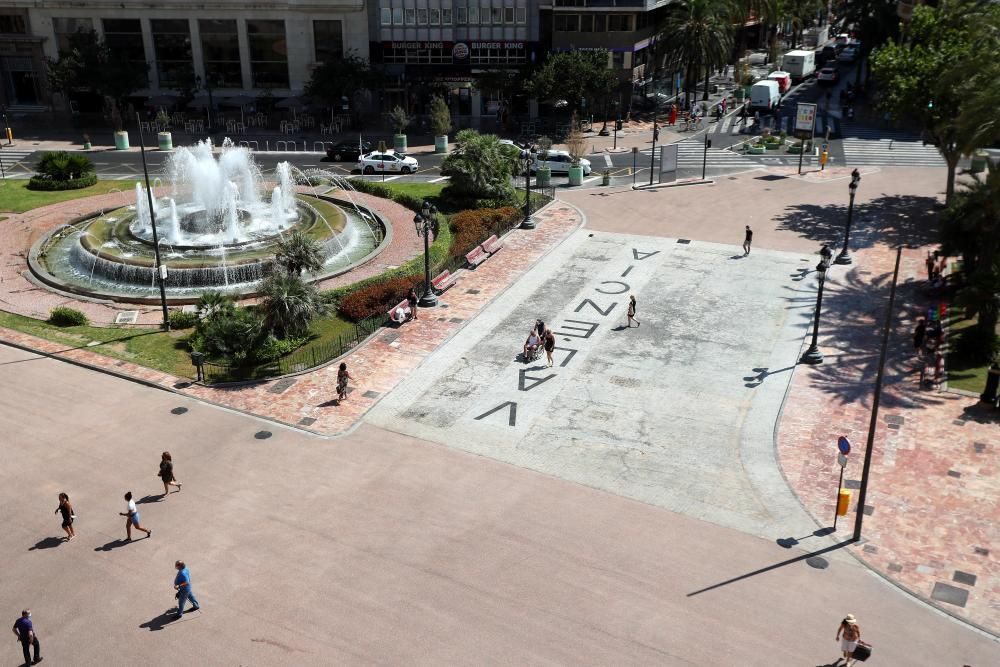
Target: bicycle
(693, 123)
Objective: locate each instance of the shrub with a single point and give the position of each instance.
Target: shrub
(61, 316)
(182, 320)
(233, 335)
(288, 304)
(472, 227)
(440, 116)
(48, 184)
(274, 348)
(479, 167)
(378, 297)
(398, 119)
(63, 166)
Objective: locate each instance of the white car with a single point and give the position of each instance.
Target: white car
(391, 162)
(828, 75)
(559, 162)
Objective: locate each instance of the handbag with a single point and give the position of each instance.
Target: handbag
(862, 652)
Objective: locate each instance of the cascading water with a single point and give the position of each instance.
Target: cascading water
(142, 215)
(175, 223)
(287, 189)
(277, 204)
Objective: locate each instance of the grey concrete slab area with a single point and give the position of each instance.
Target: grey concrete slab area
(661, 412)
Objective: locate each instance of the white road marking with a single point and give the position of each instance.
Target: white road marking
(438, 180)
(607, 159)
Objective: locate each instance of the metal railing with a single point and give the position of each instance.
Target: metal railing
(306, 357)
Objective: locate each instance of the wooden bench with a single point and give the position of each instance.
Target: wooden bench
(477, 256)
(492, 244)
(405, 305)
(444, 281)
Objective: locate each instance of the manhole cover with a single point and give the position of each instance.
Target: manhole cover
(178, 411)
(262, 435)
(684, 241)
(127, 317)
(281, 385)
(951, 594)
(307, 421)
(818, 562)
(182, 385)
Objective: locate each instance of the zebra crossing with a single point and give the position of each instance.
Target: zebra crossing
(9, 157)
(872, 146)
(734, 125)
(691, 152)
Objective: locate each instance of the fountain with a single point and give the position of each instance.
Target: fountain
(221, 221)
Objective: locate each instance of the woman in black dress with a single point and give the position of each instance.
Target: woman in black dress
(342, 377)
(411, 299)
(66, 509)
(166, 473)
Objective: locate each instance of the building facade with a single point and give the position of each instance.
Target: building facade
(234, 46)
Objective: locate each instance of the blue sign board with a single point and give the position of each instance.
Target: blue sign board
(844, 445)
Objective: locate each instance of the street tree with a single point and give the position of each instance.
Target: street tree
(579, 77)
(91, 65)
(918, 78)
(697, 35)
(288, 304)
(297, 253)
(350, 76)
(479, 168)
(440, 116)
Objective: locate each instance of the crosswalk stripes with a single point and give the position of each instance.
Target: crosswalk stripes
(732, 125)
(691, 152)
(872, 146)
(9, 156)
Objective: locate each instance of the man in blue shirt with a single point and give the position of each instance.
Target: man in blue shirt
(25, 633)
(182, 584)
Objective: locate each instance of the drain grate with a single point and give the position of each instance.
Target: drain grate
(818, 562)
(262, 435)
(684, 241)
(281, 385)
(964, 578)
(127, 317)
(307, 421)
(178, 411)
(951, 594)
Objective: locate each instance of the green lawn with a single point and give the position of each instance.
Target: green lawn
(15, 197)
(963, 374)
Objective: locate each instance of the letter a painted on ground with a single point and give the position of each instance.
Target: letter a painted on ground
(511, 415)
(636, 253)
(535, 381)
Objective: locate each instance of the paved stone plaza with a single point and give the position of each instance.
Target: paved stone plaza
(661, 412)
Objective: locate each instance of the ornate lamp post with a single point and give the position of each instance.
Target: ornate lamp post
(844, 257)
(813, 355)
(425, 224)
(528, 158)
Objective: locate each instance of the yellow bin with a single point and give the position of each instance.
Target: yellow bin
(843, 502)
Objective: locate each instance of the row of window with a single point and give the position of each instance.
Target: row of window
(462, 16)
(594, 22)
(266, 40)
(443, 56)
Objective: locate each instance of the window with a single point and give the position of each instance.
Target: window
(397, 16)
(600, 23)
(445, 16)
(221, 51)
(268, 53)
(461, 16)
(66, 28)
(473, 15)
(172, 44)
(567, 22)
(522, 15)
(328, 38)
(619, 23)
(386, 16)
(617, 60)
(411, 16)
(422, 16)
(497, 16)
(508, 15)
(124, 37)
(587, 23)
(13, 24)
(484, 15)
(435, 17)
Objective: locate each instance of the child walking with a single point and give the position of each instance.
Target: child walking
(631, 311)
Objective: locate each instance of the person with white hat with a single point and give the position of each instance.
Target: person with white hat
(848, 634)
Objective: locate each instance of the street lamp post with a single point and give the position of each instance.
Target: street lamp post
(528, 157)
(844, 257)
(813, 355)
(424, 222)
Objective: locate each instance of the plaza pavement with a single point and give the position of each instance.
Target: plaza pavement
(382, 549)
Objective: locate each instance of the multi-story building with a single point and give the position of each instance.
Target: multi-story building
(428, 47)
(240, 47)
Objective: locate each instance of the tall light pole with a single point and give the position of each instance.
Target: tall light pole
(652, 153)
(813, 355)
(844, 257)
(161, 269)
(424, 222)
(528, 158)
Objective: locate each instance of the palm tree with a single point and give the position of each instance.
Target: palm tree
(288, 304)
(297, 253)
(698, 34)
(213, 304)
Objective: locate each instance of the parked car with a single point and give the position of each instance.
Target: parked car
(347, 151)
(848, 55)
(559, 162)
(828, 54)
(373, 162)
(828, 75)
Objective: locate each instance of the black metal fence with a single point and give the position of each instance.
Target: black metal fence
(306, 357)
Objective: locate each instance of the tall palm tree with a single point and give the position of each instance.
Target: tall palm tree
(297, 253)
(288, 304)
(697, 34)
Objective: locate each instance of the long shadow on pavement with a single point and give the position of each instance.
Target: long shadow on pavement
(775, 566)
(161, 621)
(113, 544)
(47, 543)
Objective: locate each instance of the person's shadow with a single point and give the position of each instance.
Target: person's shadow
(161, 621)
(150, 499)
(47, 543)
(113, 544)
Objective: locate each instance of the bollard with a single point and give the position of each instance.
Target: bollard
(843, 502)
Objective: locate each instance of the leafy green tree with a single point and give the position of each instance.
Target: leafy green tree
(288, 304)
(698, 35)
(399, 120)
(918, 76)
(91, 65)
(440, 116)
(479, 168)
(874, 22)
(348, 77)
(297, 253)
(574, 76)
(212, 304)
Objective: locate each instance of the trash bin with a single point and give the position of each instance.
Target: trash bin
(843, 502)
(979, 159)
(989, 394)
(606, 177)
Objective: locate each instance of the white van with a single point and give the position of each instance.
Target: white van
(800, 64)
(764, 96)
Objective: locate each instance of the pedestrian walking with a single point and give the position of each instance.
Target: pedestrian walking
(747, 240)
(132, 518)
(656, 133)
(166, 473)
(342, 377)
(411, 299)
(550, 346)
(848, 634)
(919, 333)
(744, 112)
(66, 509)
(631, 311)
(182, 584)
(25, 633)
(673, 114)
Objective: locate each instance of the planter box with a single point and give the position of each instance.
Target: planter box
(543, 177)
(576, 175)
(756, 150)
(166, 141)
(978, 162)
(121, 141)
(399, 143)
(441, 143)
(796, 149)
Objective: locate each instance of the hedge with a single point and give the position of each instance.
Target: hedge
(378, 298)
(470, 228)
(61, 316)
(43, 183)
